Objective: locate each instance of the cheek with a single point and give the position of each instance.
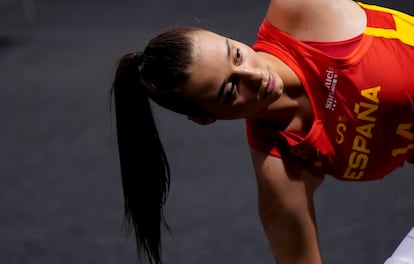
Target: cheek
(248, 103)
(249, 89)
(242, 106)
(246, 97)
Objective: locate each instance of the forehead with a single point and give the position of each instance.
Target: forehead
(205, 41)
(209, 48)
(210, 59)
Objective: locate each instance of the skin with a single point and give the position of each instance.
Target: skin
(229, 80)
(285, 187)
(242, 78)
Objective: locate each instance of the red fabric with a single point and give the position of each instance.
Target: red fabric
(362, 104)
(336, 48)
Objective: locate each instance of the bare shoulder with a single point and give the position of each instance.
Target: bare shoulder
(318, 20)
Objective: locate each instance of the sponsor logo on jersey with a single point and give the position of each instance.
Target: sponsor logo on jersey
(330, 84)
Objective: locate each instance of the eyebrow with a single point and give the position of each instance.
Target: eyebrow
(223, 85)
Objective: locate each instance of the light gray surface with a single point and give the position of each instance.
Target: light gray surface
(60, 192)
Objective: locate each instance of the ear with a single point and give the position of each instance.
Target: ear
(202, 120)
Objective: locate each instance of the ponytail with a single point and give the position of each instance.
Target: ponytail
(144, 167)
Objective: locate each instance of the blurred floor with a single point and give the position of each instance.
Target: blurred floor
(60, 192)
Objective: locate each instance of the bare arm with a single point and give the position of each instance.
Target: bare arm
(286, 209)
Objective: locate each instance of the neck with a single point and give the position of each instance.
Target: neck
(278, 114)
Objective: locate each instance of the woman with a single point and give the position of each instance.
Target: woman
(315, 90)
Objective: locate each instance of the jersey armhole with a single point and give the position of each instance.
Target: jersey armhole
(336, 48)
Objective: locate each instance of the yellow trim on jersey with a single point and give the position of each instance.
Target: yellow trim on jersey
(404, 26)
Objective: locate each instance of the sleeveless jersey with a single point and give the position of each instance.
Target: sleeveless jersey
(362, 102)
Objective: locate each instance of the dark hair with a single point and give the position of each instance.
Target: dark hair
(157, 73)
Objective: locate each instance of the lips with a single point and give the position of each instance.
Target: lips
(270, 87)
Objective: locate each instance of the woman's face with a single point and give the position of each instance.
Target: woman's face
(229, 80)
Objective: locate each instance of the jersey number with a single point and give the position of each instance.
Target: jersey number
(404, 130)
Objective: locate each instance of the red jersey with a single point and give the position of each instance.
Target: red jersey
(362, 102)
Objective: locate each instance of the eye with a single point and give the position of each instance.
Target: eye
(231, 91)
(237, 56)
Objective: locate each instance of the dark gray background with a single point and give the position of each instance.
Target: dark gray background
(60, 192)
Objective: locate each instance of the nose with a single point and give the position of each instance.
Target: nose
(249, 76)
